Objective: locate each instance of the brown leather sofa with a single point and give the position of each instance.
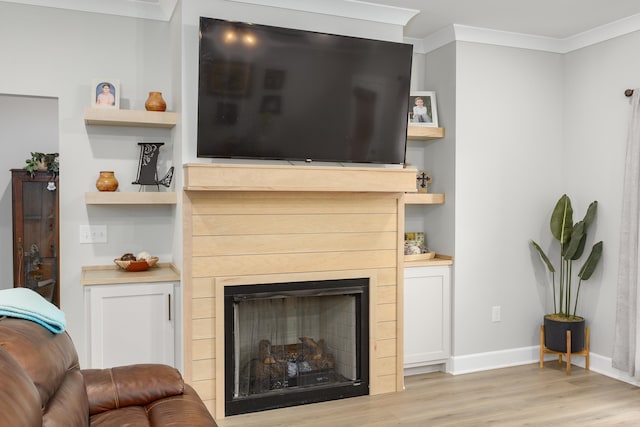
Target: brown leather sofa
(41, 383)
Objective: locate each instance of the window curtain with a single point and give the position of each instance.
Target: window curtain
(626, 353)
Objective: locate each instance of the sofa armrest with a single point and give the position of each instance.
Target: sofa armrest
(185, 410)
(134, 385)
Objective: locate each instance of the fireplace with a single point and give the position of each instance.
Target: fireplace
(294, 343)
(271, 224)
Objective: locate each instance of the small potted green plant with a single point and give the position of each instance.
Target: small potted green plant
(572, 238)
(42, 162)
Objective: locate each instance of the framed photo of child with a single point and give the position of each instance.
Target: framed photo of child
(105, 93)
(422, 109)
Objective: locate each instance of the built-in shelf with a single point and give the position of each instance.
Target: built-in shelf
(439, 259)
(424, 132)
(423, 199)
(130, 198)
(131, 118)
(113, 275)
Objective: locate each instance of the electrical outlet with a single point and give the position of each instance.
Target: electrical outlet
(495, 313)
(93, 234)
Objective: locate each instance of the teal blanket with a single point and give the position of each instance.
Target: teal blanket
(25, 303)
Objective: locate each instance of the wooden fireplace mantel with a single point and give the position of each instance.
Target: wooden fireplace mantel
(231, 177)
(276, 223)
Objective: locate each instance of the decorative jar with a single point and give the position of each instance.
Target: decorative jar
(107, 181)
(155, 102)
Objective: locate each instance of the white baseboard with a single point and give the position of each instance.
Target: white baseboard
(418, 370)
(525, 355)
(602, 365)
(493, 360)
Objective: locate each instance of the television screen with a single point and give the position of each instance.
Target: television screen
(275, 93)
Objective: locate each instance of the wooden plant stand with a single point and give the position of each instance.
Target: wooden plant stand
(544, 350)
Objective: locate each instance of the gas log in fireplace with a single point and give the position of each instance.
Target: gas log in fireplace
(288, 344)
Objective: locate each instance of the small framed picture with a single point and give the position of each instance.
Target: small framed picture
(422, 109)
(105, 93)
(232, 79)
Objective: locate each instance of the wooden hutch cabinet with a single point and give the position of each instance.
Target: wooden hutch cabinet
(36, 247)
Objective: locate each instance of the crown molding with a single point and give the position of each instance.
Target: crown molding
(605, 32)
(433, 41)
(163, 9)
(457, 32)
(345, 8)
(506, 38)
(466, 33)
(159, 10)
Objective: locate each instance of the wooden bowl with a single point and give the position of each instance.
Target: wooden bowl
(141, 265)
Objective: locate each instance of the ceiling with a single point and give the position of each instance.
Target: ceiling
(549, 21)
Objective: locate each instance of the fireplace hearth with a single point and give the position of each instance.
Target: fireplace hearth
(294, 343)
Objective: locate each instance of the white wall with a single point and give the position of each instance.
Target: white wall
(56, 53)
(509, 127)
(19, 137)
(531, 126)
(596, 117)
(440, 154)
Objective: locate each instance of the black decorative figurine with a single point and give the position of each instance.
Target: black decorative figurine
(147, 168)
(423, 179)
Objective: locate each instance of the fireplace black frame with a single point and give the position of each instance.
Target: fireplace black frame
(281, 399)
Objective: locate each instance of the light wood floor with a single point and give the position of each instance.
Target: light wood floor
(518, 396)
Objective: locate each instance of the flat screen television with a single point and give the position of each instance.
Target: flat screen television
(275, 93)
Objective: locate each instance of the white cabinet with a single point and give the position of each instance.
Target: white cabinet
(131, 323)
(427, 317)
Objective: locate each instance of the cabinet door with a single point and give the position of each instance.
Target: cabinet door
(35, 233)
(427, 332)
(132, 323)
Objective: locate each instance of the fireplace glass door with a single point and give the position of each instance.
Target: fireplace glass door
(294, 343)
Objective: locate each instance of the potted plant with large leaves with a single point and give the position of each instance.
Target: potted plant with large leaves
(572, 238)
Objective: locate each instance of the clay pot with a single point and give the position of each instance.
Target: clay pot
(155, 102)
(107, 181)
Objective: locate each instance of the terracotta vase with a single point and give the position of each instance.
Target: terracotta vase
(107, 181)
(155, 102)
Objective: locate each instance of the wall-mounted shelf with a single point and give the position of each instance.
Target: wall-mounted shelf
(423, 199)
(131, 118)
(130, 198)
(439, 259)
(113, 275)
(424, 132)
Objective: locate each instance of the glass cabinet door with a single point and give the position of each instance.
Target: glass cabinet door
(35, 233)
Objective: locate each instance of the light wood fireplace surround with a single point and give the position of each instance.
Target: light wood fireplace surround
(248, 224)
